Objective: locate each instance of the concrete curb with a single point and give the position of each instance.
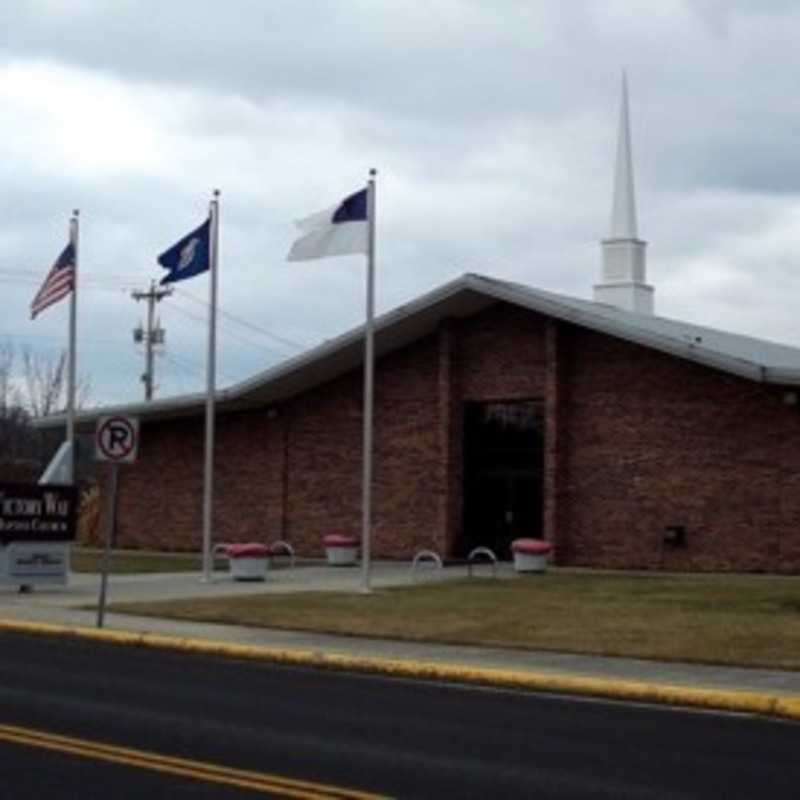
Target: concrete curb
(765, 704)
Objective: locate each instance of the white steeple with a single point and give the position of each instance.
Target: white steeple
(623, 214)
(623, 279)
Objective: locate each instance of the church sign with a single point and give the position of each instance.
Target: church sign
(37, 513)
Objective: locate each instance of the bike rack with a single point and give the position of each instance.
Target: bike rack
(219, 549)
(285, 547)
(472, 559)
(422, 556)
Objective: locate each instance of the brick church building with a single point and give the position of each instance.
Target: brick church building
(627, 439)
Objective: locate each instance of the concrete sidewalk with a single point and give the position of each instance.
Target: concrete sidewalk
(67, 607)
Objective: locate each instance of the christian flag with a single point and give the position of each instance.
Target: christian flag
(337, 231)
(60, 281)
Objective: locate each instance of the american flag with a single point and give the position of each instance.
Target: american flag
(60, 281)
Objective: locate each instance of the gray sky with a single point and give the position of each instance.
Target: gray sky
(492, 125)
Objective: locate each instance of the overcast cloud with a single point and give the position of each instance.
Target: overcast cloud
(492, 125)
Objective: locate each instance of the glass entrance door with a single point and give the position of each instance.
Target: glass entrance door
(503, 474)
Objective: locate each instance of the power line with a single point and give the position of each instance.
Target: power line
(224, 330)
(37, 276)
(116, 282)
(82, 284)
(81, 339)
(243, 322)
(187, 364)
(178, 374)
(122, 282)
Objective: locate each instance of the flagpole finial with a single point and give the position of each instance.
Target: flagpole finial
(373, 172)
(76, 212)
(216, 194)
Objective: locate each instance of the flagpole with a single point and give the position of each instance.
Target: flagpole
(369, 369)
(73, 302)
(208, 475)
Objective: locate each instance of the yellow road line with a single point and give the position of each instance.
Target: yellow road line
(213, 773)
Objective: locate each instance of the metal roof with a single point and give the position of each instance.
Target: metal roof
(756, 359)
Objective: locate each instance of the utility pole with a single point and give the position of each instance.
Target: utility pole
(151, 335)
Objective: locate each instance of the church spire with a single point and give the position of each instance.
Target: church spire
(623, 278)
(623, 215)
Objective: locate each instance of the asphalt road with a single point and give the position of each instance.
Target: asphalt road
(396, 738)
(30, 773)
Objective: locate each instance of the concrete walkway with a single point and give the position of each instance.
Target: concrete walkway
(68, 607)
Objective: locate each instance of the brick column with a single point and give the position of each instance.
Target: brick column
(554, 440)
(284, 420)
(448, 468)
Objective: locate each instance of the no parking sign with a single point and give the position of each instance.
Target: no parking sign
(117, 439)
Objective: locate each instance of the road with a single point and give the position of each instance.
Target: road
(349, 732)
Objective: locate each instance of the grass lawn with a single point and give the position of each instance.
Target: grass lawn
(752, 621)
(126, 563)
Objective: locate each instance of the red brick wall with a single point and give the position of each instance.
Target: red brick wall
(635, 441)
(249, 474)
(500, 355)
(448, 471)
(653, 440)
(555, 439)
(159, 497)
(324, 464)
(409, 486)
(325, 457)
(297, 475)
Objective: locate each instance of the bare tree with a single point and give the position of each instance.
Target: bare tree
(17, 439)
(46, 383)
(36, 389)
(45, 380)
(7, 394)
(7, 404)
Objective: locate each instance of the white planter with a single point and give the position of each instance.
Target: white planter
(528, 562)
(249, 568)
(341, 556)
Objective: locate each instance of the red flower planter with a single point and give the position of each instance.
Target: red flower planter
(248, 562)
(530, 555)
(341, 549)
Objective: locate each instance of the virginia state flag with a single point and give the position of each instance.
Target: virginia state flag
(337, 231)
(188, 257)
